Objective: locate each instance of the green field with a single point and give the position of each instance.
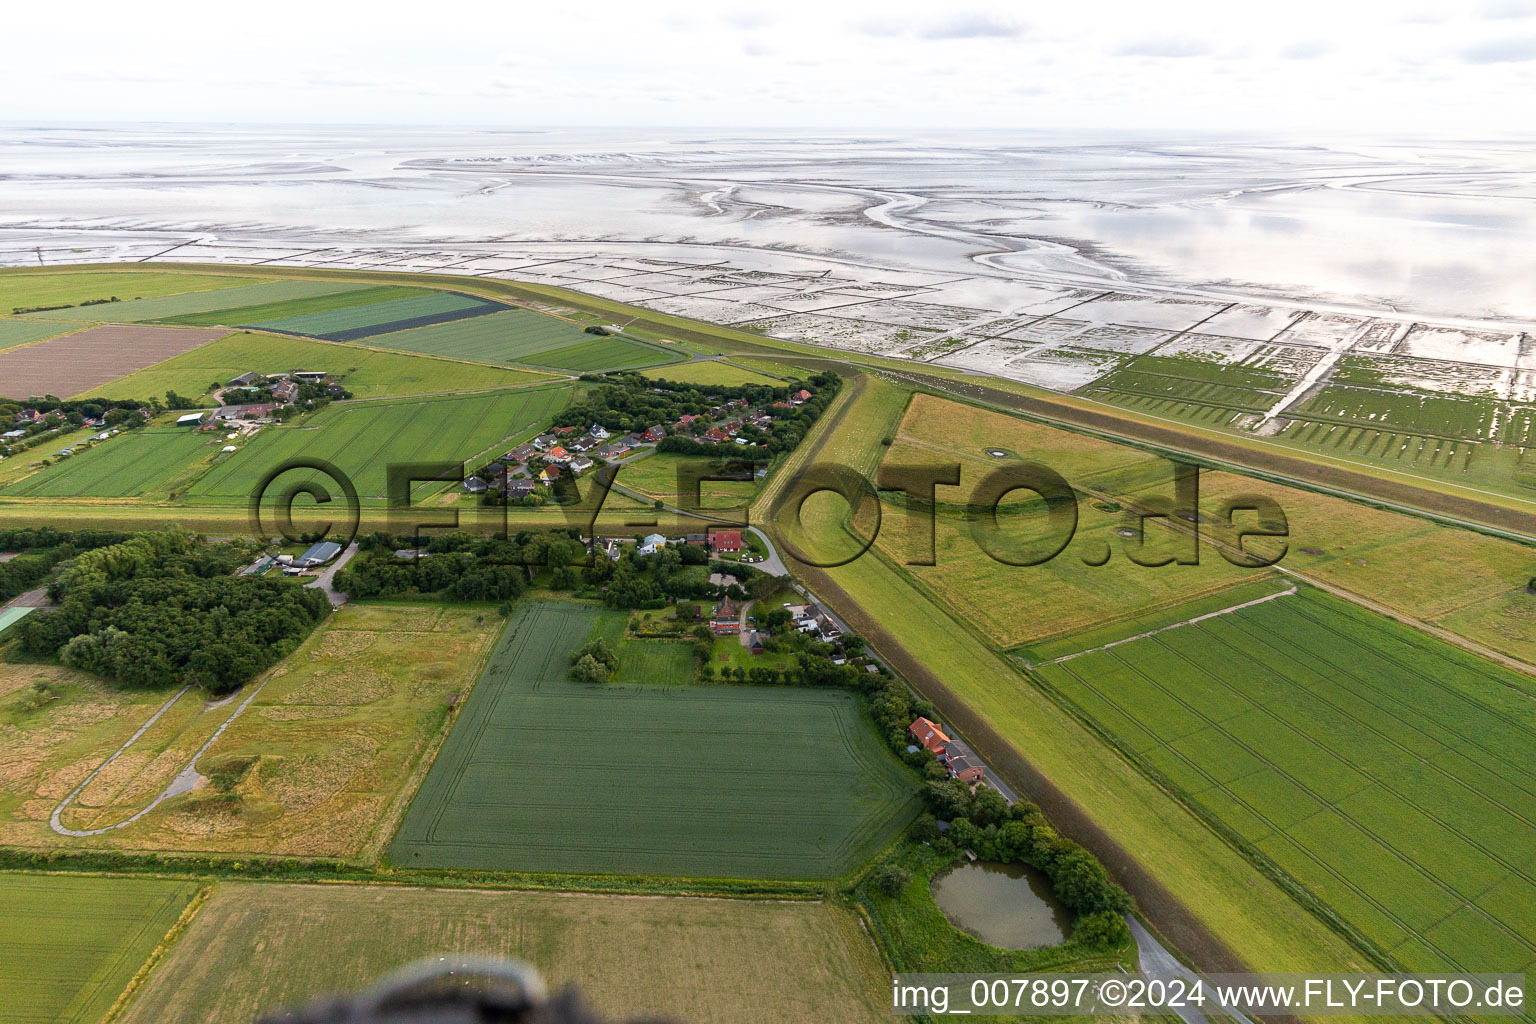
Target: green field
(221, 293)
(363, 438)
(48, 288)
(601, 354)
(17, 331)
(1387, 772)
(375, 317)
(254, 949)
(70, 946)
(511, 336)
(713, 372)
(655, 475)
(524, 337)
(244, 316)
(133, 464)
(366, 372)
(544, 774)
(1020, 730)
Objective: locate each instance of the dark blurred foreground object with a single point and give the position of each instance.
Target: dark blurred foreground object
(451, 990)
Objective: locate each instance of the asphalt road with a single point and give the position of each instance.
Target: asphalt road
(323, 581)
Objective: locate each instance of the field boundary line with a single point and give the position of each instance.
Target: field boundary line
(1288, 592)
(1439, 632)
(157, 954)
(384, 834)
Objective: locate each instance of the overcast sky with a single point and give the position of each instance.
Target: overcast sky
(1453, 68)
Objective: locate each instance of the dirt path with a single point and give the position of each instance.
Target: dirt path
(184, 782)
(741, 623)
(1174, 625)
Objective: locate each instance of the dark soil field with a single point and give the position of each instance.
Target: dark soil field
(90, 358)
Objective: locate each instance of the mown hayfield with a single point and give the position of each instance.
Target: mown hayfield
(655, 662)
(366, 372)
(1463, 581)
(230, 292)
(1014, 605)
(325, 751)
(511, 336)
(544, 774)
(1386, 771)
(71, 945)
(49, 288)
(713, 372)
(244, 316)
(255, 948)
(353, 322)
(364, 438)
(936, 430)
(133, 464)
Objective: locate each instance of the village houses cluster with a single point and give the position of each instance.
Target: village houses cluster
(542, 461)
(268, 392)
(518, 474)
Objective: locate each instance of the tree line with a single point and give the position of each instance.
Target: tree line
(39, 549)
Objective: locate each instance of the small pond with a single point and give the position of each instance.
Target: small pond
(1006, 905)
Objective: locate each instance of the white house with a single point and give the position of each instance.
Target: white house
(598, 431)
(652, 544)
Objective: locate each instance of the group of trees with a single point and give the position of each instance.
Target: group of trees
(594, 662)
(162, 608)
(1020, 834)
(628, 402)
(672, 574)
(42, 548)
(460, 565)
(19, 310)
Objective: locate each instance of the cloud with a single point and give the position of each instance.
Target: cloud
(1501, 51)
(880, 28)
(968, 25)
(1307, 49)
(757, 48)
(1502, 10)
(975, 25)
(750, 19)
(1164, 46)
